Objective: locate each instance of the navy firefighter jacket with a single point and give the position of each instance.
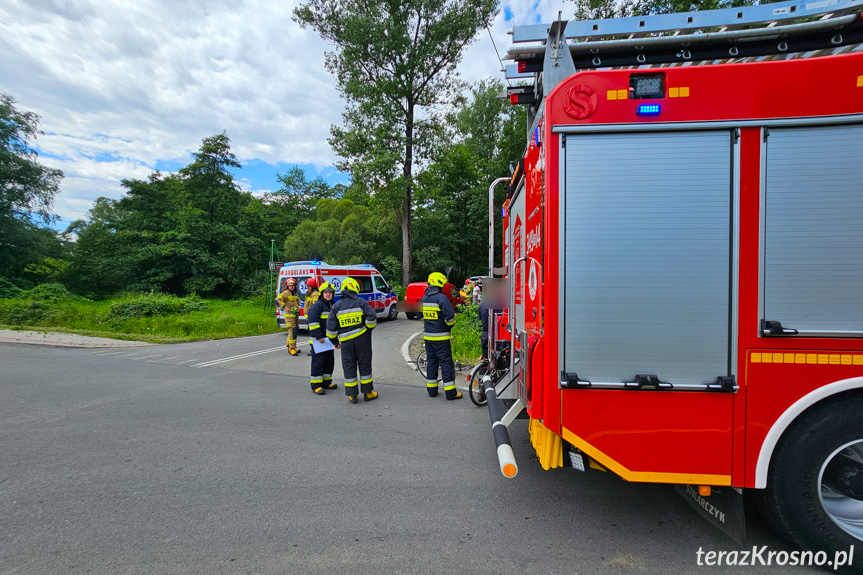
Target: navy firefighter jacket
(318, 314)
(350, 317)
(438, 315)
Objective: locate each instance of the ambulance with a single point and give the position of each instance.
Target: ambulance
(373, 286)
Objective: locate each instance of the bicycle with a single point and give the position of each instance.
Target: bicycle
(497, 368)
(422, 365)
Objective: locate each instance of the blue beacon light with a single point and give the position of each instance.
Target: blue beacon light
(647, 110)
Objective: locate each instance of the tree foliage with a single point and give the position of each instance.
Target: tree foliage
(600, 9)
(485, 134)
(343, 233)
(395, 62)
(27, 191)
(190, 232)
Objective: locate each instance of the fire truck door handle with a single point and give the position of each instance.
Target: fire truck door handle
(769, 327)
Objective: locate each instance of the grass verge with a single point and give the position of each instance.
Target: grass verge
(154, 318)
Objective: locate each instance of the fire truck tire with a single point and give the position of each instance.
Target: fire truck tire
(814, 494)
(393, 313)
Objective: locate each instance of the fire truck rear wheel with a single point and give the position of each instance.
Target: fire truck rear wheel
(815, 488)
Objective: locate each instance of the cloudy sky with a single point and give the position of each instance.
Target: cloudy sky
(128, 87)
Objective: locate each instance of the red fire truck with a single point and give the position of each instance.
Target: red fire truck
(683, 246)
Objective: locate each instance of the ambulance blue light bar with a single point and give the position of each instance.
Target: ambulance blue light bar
(647, 110)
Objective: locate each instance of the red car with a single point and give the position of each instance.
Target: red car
(416, 290)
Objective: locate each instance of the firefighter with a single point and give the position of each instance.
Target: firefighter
(349, 326)
(438, 319)
(289, 301)
(322, 363)
(312, 296)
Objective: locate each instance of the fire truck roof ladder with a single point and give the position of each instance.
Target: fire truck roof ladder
(552, 52)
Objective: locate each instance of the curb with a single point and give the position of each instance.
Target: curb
(68, 344)
(406, 346)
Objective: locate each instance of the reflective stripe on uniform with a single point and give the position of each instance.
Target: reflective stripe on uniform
(366, 379)
(436, 336)
(371, 324)
(431, 384)
(332, 333)
(352, 334)
(314, 325)
(325, 314)
(431, 305)
(451, 322)
(317, 380)
(448, 386)
(351, 383)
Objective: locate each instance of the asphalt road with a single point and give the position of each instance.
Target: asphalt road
(189, 459)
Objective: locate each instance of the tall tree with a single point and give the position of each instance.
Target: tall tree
(484, 134)
(27, 191)
(192, 231)
(395, 64)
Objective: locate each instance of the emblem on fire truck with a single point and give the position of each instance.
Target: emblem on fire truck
(580, 102)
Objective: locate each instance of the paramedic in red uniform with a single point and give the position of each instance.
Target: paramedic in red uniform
(350, 323)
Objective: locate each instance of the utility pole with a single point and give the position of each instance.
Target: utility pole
(270, 286)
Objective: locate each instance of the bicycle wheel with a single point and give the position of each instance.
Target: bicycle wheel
(422, 364)
(475, 387)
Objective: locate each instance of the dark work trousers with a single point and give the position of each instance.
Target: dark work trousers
(322, 368)
(357, 352)
(439, 354)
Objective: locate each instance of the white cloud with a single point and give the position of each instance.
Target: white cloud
(122, 85)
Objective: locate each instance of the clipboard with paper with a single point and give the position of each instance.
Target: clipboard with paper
(319, 347)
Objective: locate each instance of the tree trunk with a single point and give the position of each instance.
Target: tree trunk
(407, 211)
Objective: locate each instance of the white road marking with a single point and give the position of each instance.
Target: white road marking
(236, 357)
(406, 347)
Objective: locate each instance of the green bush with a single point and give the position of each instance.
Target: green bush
(154, 305)
(25, 312)
(466, 334)
(8, 289)
(49, 292)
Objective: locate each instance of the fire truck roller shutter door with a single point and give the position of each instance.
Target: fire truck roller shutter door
(812, 230)
(647, 256)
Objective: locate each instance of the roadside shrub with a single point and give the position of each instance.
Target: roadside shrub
(8, 289)
(25, 312)
(47, 292)
(154, 305)
(466, 334)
